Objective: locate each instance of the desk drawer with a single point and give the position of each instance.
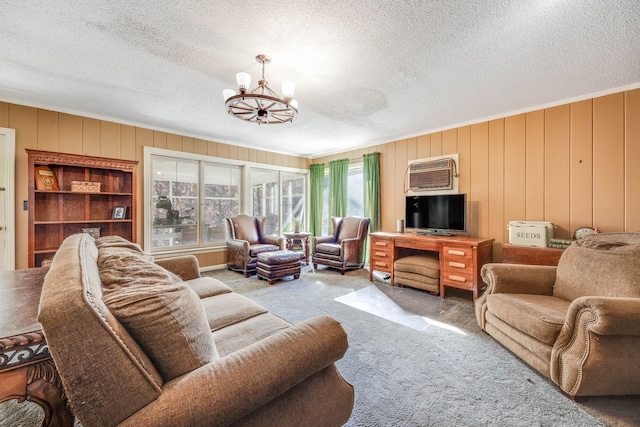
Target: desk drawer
(381, 264)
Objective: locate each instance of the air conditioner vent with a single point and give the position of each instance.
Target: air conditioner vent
(431, 175)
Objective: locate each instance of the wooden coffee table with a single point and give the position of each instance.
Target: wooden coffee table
(27, 371)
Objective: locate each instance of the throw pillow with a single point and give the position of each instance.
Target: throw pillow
(156, 307)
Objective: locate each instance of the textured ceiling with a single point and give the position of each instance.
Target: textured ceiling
(366, 72)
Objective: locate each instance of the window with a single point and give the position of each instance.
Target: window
(190, 195)
(221, 199)
(355, 195)
(174, 196)
(279, 197)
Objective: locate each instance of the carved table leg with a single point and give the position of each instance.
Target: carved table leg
(38, 383)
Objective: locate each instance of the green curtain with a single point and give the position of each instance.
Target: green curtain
(371, 175)
(338, 173)
(316, 196)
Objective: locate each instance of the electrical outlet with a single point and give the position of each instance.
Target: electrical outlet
(25, 205)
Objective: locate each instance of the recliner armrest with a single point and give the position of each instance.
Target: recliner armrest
(518, 278)
(608, 315)
(186, 267)
(227, 389)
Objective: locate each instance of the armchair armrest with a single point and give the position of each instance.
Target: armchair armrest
(350, 249)
(323, 239)
(227, 389)
(518, 278)
(186, 267)
(599, 337)
(274, 240)
(603, 316)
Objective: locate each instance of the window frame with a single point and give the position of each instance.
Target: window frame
(245, 195)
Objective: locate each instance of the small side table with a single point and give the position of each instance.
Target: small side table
(298, 242)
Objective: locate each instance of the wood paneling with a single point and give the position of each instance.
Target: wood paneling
(110, 144)
(608, 162)
(450, 141)
(90, 137)
(60, 132)
(424, 146)
(496, 179)
(478, 215)
(534, 208)
(174, 142)
(47, 130)
(514, 171)
(574, 165)
(581, 180)
(557, 169)
(632, 160)
(70, 133)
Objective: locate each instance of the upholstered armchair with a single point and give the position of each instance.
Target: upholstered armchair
(245, 240)
(577, 324)
(345, 247)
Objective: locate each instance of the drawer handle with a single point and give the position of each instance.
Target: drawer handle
(381, 264)
(455, 252)
(457, 264)
(384, 254)
(381, 244)
(457, 278)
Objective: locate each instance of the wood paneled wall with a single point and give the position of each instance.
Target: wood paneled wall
(574, 165)
(53, 131)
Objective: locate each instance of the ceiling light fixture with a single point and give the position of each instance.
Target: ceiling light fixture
(262, 105)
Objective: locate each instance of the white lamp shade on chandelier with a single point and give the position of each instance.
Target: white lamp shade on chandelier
(261, 105)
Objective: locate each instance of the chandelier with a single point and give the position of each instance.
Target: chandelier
(262, 105)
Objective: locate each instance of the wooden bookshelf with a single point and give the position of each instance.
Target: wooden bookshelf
(57, 214)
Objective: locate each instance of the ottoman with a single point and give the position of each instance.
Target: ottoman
(278, 264)
(418, 271)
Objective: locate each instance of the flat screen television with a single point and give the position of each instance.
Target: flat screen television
(444, 214)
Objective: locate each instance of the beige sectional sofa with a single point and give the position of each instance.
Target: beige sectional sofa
(578, 323)
(139, 343)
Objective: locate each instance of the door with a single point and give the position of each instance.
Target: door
(7, 200)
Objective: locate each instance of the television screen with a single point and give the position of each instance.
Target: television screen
(438, 213)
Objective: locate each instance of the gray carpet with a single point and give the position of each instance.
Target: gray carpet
(448, 374)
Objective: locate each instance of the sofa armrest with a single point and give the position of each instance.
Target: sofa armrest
(186, 267)
(227, 389)
(518, 278)
(599, 337)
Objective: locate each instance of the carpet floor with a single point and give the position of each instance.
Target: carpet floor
(442, 372)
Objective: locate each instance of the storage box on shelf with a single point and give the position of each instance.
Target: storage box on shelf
(87, 189)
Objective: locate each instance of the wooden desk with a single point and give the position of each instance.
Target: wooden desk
(513, 254)
(461, 258)
(26, 368)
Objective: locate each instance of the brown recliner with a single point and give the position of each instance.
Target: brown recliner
(245, 240)
(345, 247)
(578, 324)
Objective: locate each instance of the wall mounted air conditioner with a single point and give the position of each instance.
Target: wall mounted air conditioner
(433, 174)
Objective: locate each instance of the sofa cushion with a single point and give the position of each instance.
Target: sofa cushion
(539, 316)
(598, 268)
(206, 287)
(158, 309)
